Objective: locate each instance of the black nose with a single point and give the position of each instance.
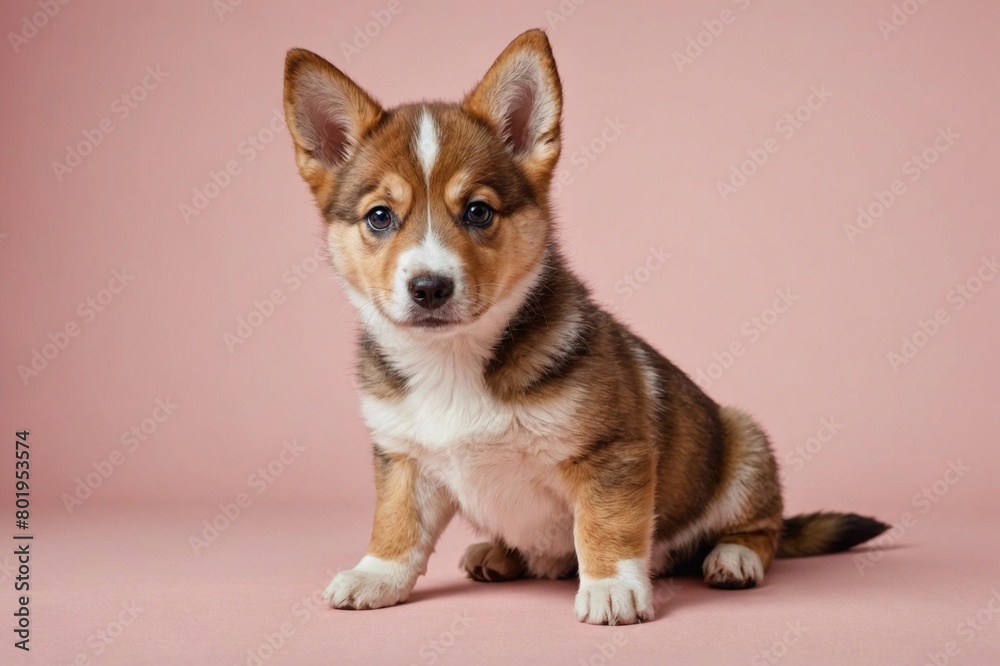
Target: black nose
(431, 291)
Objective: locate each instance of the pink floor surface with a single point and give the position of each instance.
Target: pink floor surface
(122, 585)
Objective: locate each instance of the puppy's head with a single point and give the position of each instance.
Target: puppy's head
(435, 213)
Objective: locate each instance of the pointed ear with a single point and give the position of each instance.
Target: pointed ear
(327, 115)
(521, 98)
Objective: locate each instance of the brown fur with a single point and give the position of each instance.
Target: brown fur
(492, 563)
(656, 465)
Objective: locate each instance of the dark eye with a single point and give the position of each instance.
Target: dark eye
(379, 218)
(478, 214)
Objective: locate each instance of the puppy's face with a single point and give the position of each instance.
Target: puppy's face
(436, 212)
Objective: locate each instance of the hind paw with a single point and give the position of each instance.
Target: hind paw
(489, 563)
(731, 566)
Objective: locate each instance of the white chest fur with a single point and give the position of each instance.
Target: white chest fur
(498, 460)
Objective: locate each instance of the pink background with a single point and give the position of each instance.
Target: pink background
(682, 129)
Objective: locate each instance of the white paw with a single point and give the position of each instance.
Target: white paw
(374, 583)
(733, 567)
(624, 599)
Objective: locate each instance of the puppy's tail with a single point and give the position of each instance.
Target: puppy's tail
(823, 532)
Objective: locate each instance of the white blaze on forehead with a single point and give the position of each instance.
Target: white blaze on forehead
(430, 255)
(427, 151)
(427, 143)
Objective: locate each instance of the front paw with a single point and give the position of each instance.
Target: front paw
(374, 583)
(616, 600)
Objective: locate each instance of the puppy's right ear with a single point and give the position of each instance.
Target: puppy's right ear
(327, 114)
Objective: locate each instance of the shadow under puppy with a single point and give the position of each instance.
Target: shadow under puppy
(492, 384)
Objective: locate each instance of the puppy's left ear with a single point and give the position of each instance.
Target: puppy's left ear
(521, 99)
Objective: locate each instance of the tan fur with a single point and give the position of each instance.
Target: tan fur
(614, 506)
(397, 521)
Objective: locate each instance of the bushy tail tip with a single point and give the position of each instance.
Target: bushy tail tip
(825, 532)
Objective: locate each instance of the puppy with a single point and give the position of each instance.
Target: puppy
(494, 387)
